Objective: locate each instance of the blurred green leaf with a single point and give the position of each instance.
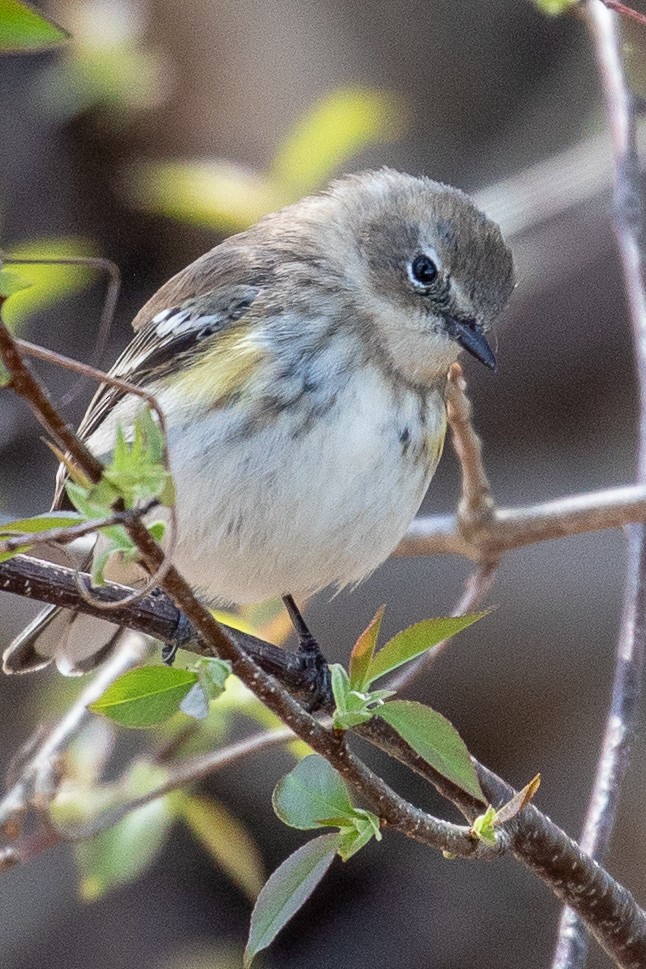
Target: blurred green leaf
(46, 284)
(362, 652)
(10, 283)
(145, 696)
(332, 132)
(554, 8)
(217, 194)
(311, 794)
(23, 29)
(123, 852)
(417, 639)
(226, 839)
(436, 740)
(212, 194)
(120, 76)
(287, 890)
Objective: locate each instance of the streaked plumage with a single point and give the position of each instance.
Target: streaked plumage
(302, 372)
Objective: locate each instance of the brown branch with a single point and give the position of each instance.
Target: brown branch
(512, 528)
(572, 944)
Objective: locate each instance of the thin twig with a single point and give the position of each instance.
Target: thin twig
(476, 505)
(37, 781)
(86, 370)
(65, 534)
(572, 945)
(180, 774)
(99, 263)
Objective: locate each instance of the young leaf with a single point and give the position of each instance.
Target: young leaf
(287, 890)
(364, 827)
(40, 523)
(146, 696)
(226, 839)
(436, 740)
(31, 526)
(519, 801)
(312, 793)
(362, 652)
(22, 29)
(417, 639)
(123, 852)
(483, 826)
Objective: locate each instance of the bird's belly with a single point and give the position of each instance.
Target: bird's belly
(275, 512)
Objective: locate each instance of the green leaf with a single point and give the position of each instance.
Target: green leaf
(364, 827)
(362, 652)
(351, 706)
(417, 639)
(45, 284)
(333, 131)
(29, 526)
(436, 740)
(146, 696)
(40, 523)
(22, 29)
(483, 826)
(310, 794)
(124, 851)
(287, 890)
(226, 839)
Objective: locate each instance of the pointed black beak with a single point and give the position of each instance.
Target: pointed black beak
(470, 336)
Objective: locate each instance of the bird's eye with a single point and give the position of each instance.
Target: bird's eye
(423, 271)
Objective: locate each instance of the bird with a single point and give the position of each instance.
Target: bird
(301, 366)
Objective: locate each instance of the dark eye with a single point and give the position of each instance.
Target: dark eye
(423, 271)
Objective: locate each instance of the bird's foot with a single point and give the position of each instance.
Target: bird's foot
(316, 672)
(184, 633)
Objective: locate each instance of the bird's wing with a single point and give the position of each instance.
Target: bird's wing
(199, 303)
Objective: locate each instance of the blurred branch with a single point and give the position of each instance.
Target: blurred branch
(572, 945)
(37, 780)
(511, 528)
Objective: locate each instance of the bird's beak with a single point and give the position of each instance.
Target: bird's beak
(469, 335)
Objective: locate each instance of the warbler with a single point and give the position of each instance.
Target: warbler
(301, 366)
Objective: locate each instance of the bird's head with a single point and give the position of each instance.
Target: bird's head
(430, 271)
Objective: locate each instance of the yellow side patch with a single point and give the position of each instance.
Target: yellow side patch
(434, 444)
(224, 370)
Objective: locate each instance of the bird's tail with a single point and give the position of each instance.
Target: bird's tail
(76, 642)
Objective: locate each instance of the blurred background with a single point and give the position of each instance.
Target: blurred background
(164, 125)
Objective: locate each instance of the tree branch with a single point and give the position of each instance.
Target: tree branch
(572, 945)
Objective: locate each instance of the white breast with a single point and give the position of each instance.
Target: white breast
(272, 513)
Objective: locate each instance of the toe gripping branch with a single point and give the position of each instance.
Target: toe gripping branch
(305, 673)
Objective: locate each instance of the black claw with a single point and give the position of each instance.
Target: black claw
(314, 665)
(184, 633)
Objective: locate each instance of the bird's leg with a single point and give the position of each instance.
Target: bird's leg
(314, 663)
(184, 633)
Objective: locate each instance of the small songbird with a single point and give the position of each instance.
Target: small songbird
(301, 366)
